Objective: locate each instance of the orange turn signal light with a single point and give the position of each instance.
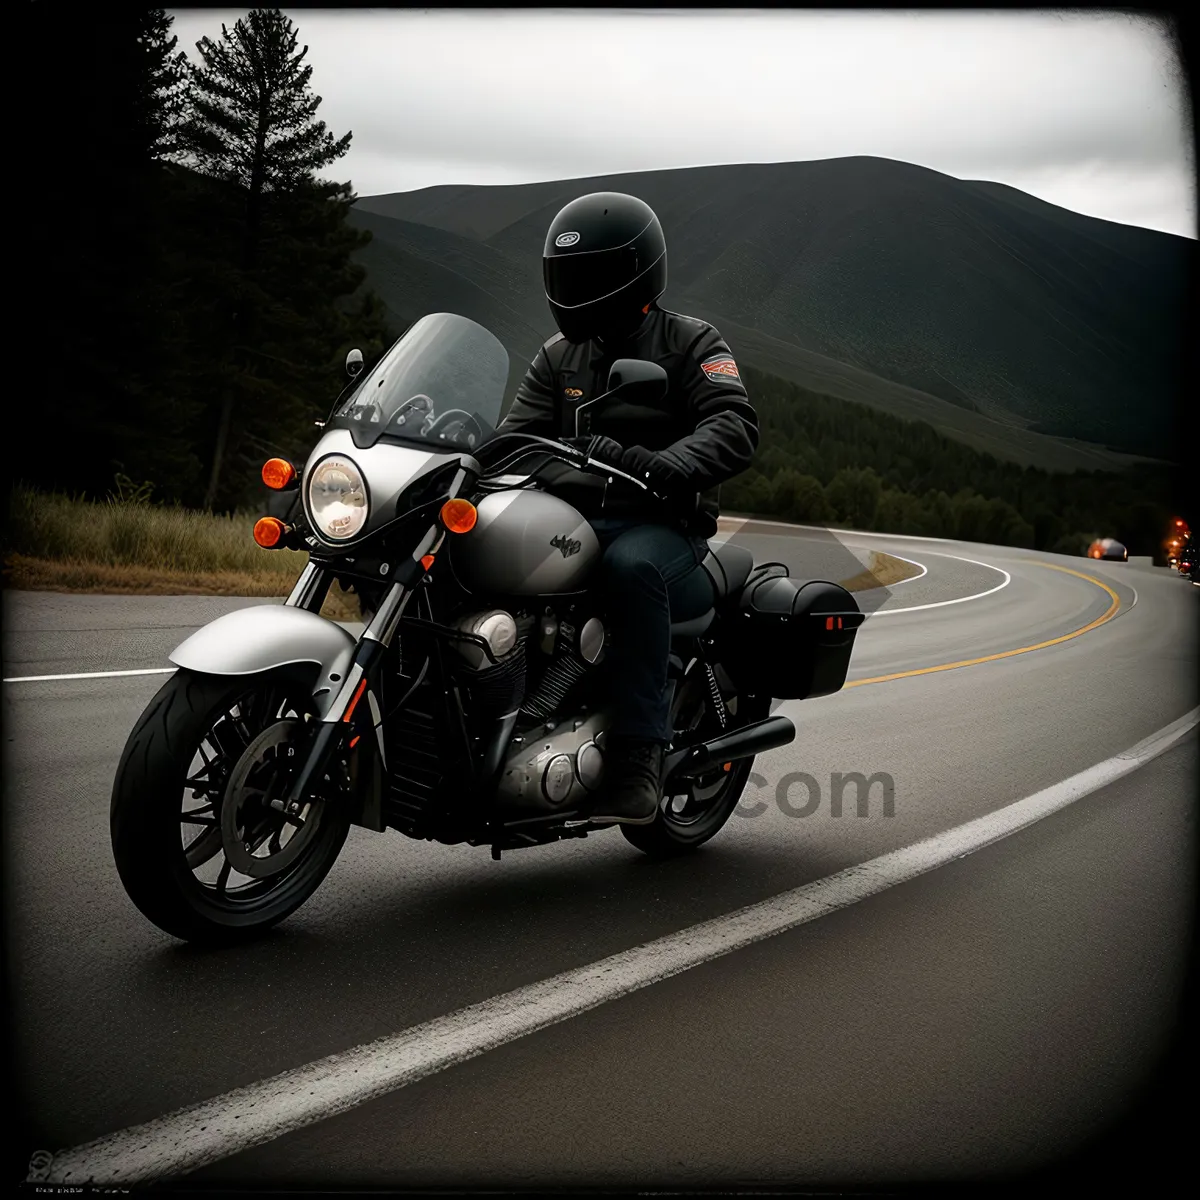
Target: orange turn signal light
(427, 561)
(269, 531)
(278, 473)
(459, 515)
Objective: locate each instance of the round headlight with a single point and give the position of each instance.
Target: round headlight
(337, 498)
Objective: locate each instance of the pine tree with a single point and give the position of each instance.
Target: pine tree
(165, 80)
(312, 307)
(253, 124)
(253, 118)
(97, 300)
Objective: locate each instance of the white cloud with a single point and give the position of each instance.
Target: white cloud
(1087, 111)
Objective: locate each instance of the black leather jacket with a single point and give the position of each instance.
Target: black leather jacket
(706, 429)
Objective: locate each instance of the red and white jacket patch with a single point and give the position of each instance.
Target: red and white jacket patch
(720, 366)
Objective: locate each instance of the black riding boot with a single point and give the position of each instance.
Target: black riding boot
(632, 784)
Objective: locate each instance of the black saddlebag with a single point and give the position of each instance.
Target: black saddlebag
(790, 638)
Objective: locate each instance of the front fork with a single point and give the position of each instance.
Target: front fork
(309, 592)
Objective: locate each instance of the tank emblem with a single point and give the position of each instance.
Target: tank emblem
(574, 393)
(567, 545)
(566, 239)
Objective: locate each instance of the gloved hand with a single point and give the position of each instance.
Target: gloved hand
(599, 447)
(650, 467)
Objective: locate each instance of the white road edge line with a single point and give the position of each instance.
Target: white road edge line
(249, 1116)
(88, 675)
(912, 562)
(721, 539)
(884, 612)
(891, 612)
(908, 537)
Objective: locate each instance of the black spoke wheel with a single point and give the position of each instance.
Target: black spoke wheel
(691, 812)
(199, 846)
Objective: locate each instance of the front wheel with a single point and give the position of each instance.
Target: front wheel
(198, 846)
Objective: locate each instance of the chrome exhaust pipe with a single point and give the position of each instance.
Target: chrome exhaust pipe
(727, 747)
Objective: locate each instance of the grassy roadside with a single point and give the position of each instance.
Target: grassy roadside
(130, 547)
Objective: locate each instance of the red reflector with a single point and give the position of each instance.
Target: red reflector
(828, 622)
(427, 561)
(362, 687)
(839, 622)
(354, 740)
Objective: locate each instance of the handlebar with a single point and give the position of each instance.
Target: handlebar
(605, 469)
(569, 454)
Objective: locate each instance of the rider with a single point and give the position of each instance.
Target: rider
(605, 266)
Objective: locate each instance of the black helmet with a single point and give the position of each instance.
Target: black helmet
(604, 263)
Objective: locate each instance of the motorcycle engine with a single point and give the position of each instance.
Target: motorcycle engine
(555, 767)
(556, 756)
(570, 652)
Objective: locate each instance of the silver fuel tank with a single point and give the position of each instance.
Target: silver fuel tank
(525, 543)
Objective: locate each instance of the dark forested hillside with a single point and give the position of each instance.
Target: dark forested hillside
(970, 293)
(823, 460)
(196, 311)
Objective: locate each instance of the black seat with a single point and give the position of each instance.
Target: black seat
(729, 567)
(694, 627)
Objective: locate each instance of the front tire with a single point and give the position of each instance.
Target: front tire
(197, 733)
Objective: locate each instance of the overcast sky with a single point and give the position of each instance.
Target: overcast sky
(1086, 111)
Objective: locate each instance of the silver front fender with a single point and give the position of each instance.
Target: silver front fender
(257, 639)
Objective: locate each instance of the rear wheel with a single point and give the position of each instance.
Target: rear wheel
(197, 843)
(689, 815)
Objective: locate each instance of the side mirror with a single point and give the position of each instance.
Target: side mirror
(631, 380)
(354, 362)
(636, 381)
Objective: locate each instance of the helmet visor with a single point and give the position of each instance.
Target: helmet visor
(575, 279)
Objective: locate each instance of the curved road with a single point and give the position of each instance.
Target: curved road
(986, 1015)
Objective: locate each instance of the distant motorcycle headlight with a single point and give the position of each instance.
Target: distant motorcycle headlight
(337, 498)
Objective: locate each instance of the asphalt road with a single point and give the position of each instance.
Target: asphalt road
(985, 1016)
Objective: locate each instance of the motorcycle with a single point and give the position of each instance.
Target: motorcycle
(466, 711)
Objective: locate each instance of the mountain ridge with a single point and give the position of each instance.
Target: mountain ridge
(973, 294)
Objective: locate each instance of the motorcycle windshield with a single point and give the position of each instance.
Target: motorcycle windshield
(441, 384)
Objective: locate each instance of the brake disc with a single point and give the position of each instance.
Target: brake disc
(248, 822)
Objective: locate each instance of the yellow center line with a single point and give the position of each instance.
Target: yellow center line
(970, 662)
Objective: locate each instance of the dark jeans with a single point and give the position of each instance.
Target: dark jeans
(650, 576)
